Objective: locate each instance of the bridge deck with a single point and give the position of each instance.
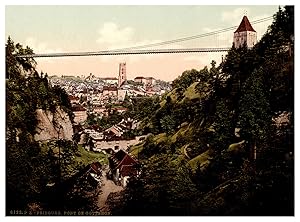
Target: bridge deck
(127, 52)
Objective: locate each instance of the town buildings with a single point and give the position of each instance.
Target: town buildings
(97, 91)
(80, 114)
(109, 80)
(102, 97)
(149, 81)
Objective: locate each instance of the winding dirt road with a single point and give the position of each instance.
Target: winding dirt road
(108, 186)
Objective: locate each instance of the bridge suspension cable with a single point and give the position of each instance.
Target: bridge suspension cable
(195, 36)
(127, 52)
(137, 49)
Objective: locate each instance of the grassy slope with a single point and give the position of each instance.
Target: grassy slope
(236, 147)
(186, 129)
(86, 157)
(172, 95)
(136, 149)
(160, 138)
(81, 158)
(202, 160)
(191, 93)
(181, 131)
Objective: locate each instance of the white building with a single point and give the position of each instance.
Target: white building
(110, 80)
(244, 34)
(145, 80)
(140, 79)
(110, 91)
(121, 94)
(80, 115)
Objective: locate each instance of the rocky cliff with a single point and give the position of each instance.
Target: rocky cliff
(53, 125)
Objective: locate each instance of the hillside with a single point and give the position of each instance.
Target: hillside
(40, 153)
(218, 125)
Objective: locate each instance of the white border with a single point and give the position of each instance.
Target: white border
(145, 2)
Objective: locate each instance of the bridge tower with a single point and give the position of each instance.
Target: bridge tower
(122, 74)
(244, 34)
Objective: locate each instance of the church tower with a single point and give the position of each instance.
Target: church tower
(122, 74)
(244, 34)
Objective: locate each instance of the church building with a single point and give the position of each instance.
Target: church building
(122, 74)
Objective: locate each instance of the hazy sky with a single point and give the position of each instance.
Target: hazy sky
(95, 28)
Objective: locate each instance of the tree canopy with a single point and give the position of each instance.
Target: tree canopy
(221, 124)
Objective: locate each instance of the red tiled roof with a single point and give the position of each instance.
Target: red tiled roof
(128, 170)
(110, 88)
(78, 108)
(245, 26)
(71, 97)
(96, 166)
(120, 159)
(109, 78)
(127, 160)
(120, 108)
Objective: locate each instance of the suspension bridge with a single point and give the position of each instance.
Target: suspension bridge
(155, 48)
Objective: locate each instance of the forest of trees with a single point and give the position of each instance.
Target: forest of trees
(239, 158)
(37, 178)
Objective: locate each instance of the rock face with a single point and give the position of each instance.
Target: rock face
(56, 125)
